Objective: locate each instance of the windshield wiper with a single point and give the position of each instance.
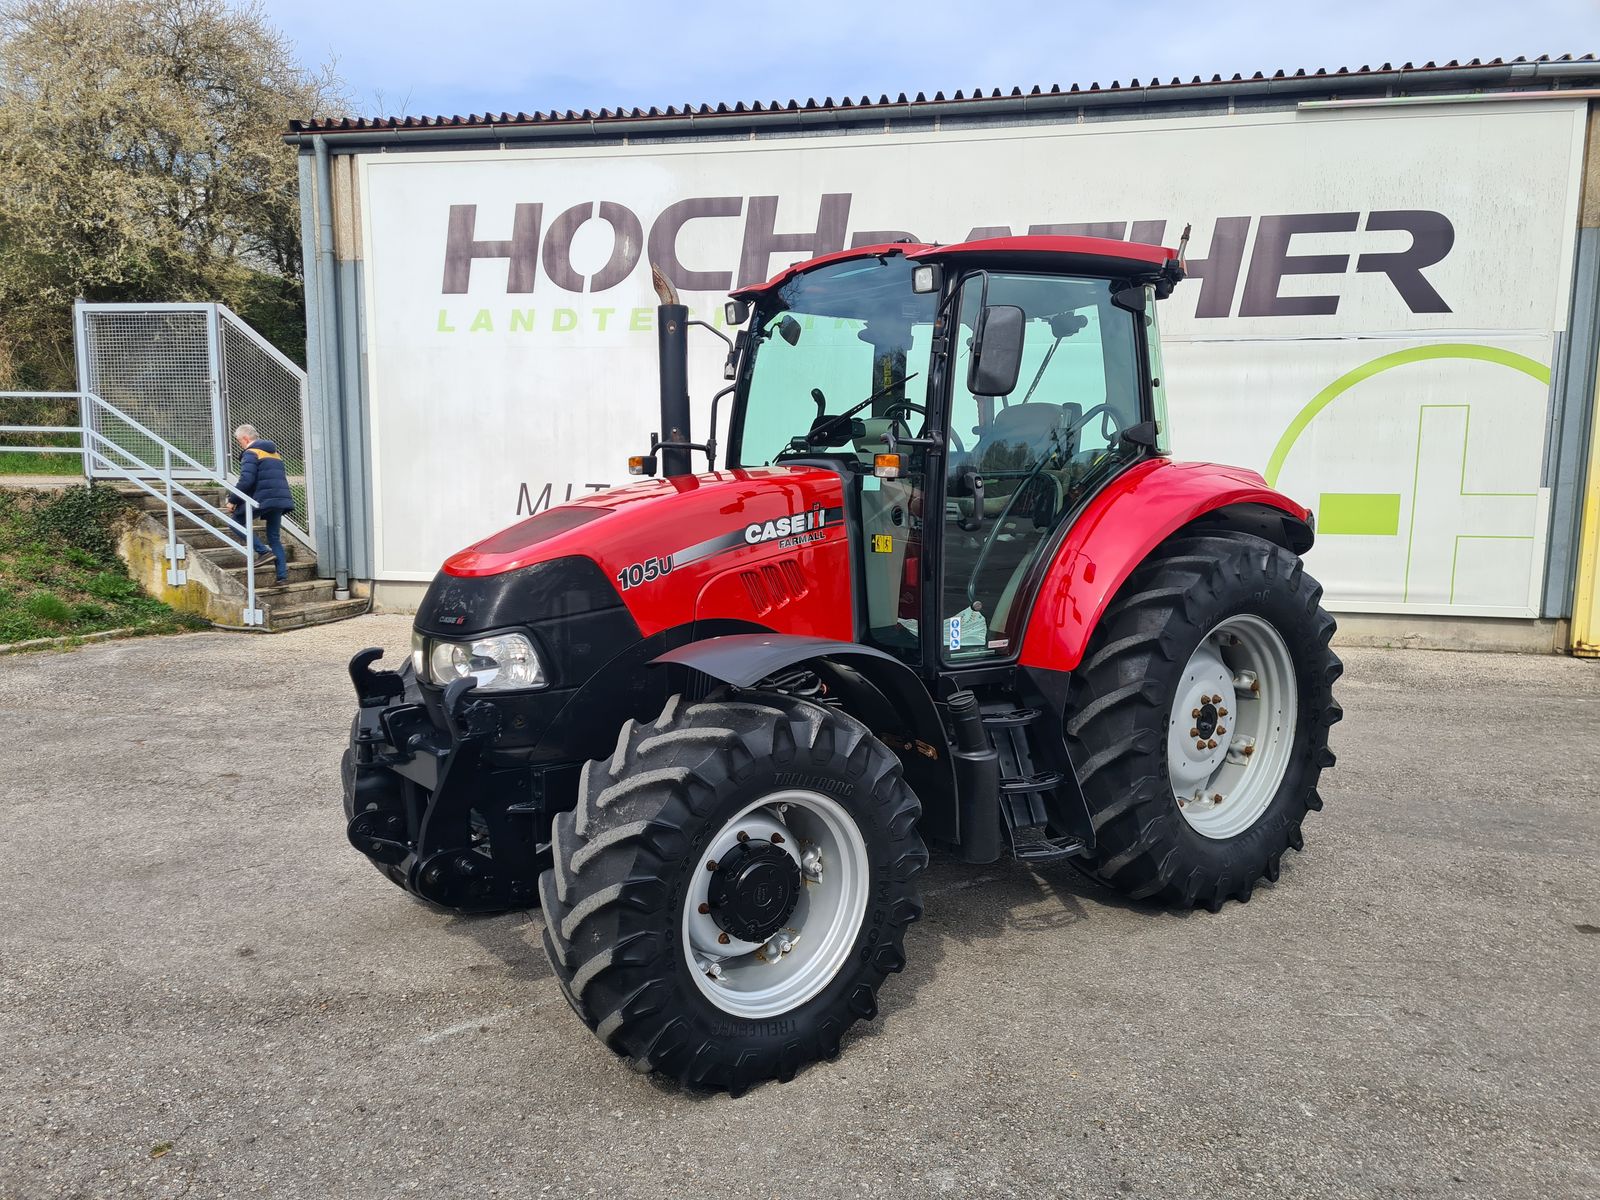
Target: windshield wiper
(822, 433)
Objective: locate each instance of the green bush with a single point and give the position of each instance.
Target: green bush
(47, 606)
(59, 570)
(108, 585)
(80, 519)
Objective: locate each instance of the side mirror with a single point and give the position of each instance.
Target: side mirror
(789, 329)
(996, 351)
(737, 312)
(925, 279)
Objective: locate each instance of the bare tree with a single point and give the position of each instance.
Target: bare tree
(141, 159)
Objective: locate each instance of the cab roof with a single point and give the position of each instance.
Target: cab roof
(1093, 255)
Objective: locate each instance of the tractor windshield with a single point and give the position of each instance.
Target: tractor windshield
(848, 336)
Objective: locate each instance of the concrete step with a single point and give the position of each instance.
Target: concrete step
(144, 500)
(280, 596)
(203, 541)
(233, 564)
(301, 615)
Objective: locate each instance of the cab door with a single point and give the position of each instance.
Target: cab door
(1019, 464)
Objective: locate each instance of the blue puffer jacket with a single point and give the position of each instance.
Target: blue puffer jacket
(263, 478)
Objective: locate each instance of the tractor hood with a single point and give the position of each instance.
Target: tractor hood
(657, 547)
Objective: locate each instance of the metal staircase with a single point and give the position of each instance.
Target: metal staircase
(160, 386)
(303, 600)
(184, 514)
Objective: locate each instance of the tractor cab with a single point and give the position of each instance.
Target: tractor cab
(974, 398)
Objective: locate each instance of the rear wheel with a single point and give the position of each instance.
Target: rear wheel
(1199, 720)
(733, 887)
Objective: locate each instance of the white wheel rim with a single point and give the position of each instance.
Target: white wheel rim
(760, 979)
(1231, 728)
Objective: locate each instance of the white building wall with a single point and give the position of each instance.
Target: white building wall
(1377, 303)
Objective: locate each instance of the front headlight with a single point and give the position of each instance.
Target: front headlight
(499, 663)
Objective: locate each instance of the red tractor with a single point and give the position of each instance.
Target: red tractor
(949, 590)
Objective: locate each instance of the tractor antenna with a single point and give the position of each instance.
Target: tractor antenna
(664, 289)
(1183, 246)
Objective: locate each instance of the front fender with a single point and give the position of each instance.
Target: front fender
(876, 688)
(1128, 519)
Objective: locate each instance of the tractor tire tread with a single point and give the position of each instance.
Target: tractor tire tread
(636, 820)
(1116, 727)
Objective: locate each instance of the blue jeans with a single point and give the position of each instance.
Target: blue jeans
(274, 542)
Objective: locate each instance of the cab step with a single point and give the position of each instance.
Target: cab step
(1034, 846)
(1025, 788)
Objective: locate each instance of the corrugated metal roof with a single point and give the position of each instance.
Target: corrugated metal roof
(1134, 91)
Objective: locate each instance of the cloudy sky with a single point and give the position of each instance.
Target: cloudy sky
(461, 56)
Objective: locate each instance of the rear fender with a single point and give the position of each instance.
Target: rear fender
(1128, 519)
(877, 689)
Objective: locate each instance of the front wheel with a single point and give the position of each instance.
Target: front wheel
(733, 887)
(1199, 720)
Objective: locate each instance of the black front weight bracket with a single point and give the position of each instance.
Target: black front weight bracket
(434, 842)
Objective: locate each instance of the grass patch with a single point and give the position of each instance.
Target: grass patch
(59, 571)
(40, 410)
(15, 462)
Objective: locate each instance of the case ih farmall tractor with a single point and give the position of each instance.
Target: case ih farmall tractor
(948, 591)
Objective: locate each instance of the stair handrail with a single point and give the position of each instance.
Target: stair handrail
(194, 463)
(90, 442)
(244, 532)
(79, 450)
(96, 459)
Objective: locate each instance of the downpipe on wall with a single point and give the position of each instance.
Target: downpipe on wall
(328, 369)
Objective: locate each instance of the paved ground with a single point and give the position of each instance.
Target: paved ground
(191, 957)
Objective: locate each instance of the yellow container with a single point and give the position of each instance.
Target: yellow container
(1586, 604)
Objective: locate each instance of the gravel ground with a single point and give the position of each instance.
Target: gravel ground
(204, 991)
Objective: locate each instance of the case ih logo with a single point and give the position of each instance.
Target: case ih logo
(795, 524)
(536, 243)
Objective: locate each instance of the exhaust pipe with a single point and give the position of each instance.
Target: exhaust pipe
(672, 342)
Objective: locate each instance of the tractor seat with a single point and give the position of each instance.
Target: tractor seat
(1027, 424)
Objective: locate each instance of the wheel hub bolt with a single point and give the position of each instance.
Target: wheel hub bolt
(811, 863)
(1212, 744)
(775, 949)
(1217, 798)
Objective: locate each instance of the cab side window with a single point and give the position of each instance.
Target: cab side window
(1019, 463)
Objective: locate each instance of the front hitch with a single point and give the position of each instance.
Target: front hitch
(431, 806)
(374, 688)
